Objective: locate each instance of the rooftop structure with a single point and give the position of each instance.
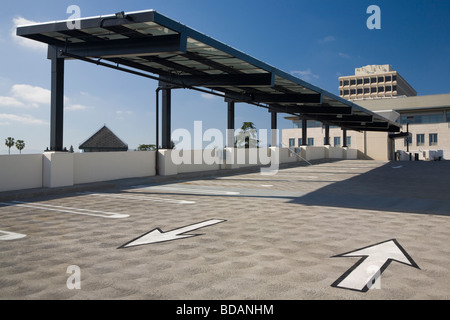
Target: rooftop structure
(149, 44)
(374, 81)
(103, 140)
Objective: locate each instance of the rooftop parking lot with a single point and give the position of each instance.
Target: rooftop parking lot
(238, 235)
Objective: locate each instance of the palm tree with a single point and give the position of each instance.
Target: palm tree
(247, 137)
(20, 144)
(9, 142)
(146, 147)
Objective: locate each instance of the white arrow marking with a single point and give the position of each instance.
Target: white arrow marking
(11, 235)
(397, 167)
(376, 258)
(156, 235)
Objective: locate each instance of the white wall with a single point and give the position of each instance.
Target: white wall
(58, 169)
(104, 166)
(20, 171)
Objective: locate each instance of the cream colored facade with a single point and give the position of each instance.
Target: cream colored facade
(369, 145)
(429, 125)
(374, 81)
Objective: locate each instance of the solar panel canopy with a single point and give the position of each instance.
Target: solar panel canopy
(183, 57)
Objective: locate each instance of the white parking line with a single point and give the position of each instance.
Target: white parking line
(136, 197)
(86, 212)
(11, 235)
(189, 190)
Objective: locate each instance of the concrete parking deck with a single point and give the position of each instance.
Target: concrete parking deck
(257, 237)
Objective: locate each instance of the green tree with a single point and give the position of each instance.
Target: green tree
(20, 144)
(146, 147)
(9, 142)
(247, 136)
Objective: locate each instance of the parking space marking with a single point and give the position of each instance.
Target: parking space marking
(49, 207)
(136, 197)
(189, 190)
(11, 235)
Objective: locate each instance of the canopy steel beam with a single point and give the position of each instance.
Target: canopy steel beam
(258, 79)
(312, 110)
(344, 118)
(126, 47)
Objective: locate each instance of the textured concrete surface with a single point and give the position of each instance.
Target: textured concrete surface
(278, 241)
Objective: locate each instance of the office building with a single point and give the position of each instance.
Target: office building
(374, 81)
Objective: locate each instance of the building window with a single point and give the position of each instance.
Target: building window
(420, 139)
(408, 140)
(366, 80)
(352, 91)
(388, 78)
(340, 83)
(426, 118)
(380, 79)
(349, 141)
(388, 88)
(373, 80)
(352, 82)
(337, 141)
(360, 91)
(340, 92)
(359, 81)
(448, 116)
(394, 88)
(346, 92)
(394, 78)
(380, 89)
(366, 90)
(299, 142)
(373, 89)
(310, 141)
(433, 139)
(345, 82)
(291, 143)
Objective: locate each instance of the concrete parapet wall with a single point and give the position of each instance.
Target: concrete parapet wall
(60, 169)
(20, 171)
(103, 166)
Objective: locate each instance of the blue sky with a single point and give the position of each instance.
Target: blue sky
(315, 40)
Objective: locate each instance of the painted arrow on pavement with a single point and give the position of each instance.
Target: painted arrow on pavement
(157, 235)
(6, 235)
(375, 259)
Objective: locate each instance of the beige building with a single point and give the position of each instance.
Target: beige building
(374, 81)
(426, 117)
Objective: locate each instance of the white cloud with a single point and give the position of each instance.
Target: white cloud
(306, 75)
(74, 107)
(31, 94)
(10, 102)
(23, 119)
(344, 55)
(27, 43)
(327, 39)
(208, 96)
(27, 96)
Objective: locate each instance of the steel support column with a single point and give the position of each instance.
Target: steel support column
(56, 101)
(230, 124)
(166, 101)
(274, 131)
(327, 135)
(304, 132)
(344, 137)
